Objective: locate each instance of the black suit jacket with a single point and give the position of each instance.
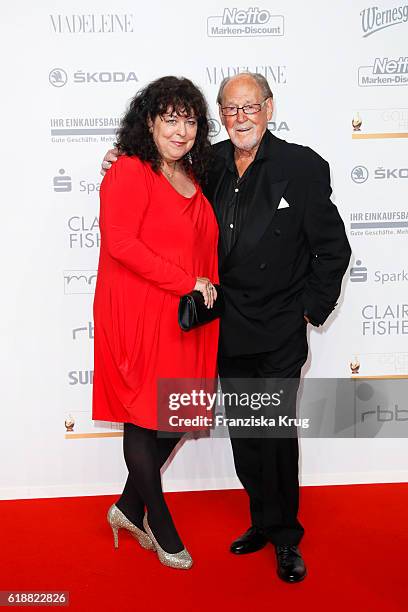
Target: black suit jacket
(286, 261)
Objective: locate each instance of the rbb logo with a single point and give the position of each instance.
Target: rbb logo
(387, 415)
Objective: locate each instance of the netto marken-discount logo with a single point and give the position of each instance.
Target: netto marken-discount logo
(373, 19)
(384, 72)
(253, 21)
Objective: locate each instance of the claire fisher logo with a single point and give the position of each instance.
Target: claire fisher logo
(384, 319)
(58, 77)
(83, 232)
(384, 72)
(253, 22)
(79, 281)
(373, 19)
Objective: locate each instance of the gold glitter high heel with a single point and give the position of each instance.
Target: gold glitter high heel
(117, 520)
(180, 560)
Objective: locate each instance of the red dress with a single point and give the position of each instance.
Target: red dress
(154, 243)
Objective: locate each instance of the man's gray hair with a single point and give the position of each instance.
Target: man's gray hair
(259, 78)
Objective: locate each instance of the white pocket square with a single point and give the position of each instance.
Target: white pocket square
(283, 204)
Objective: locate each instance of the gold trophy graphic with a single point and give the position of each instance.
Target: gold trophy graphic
(355, 365)
(356, 122)
(69, 423)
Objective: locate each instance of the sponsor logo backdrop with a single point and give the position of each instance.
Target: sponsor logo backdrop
(83, 65)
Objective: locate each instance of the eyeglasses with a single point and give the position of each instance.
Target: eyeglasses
(248, 109)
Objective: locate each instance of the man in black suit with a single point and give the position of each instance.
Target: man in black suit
(283, 252)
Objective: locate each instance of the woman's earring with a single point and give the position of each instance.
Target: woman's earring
(189, 158)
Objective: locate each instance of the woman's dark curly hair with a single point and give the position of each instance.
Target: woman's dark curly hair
(172, 94)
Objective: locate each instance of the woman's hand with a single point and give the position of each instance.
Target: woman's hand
(110, 157)
(205, 286)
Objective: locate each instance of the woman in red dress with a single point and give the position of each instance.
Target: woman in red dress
(159, 241)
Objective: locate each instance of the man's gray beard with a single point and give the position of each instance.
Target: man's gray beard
(248, 146)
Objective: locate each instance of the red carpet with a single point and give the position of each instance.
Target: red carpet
(355, 548)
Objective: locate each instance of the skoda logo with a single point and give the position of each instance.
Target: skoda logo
(214, 128)
(58, 77)
(359, 174)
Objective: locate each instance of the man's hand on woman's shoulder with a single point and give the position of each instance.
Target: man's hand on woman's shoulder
(110, 157)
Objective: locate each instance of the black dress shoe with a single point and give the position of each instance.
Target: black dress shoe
(291, 567)
(251, 541)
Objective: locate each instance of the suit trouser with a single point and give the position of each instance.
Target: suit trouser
(267, 466)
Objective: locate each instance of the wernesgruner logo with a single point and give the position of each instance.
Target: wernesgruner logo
(373, 19)
(250, 22)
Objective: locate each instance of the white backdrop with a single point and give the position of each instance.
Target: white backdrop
(68, 70)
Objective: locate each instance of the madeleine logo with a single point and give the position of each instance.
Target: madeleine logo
(373, 19)
(92, 23)
(235, 22)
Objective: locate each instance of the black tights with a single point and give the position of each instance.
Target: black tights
(145, 453)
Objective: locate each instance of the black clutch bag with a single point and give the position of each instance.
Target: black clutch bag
(192, 311)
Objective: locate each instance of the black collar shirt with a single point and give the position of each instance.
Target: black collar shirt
(234, 195)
